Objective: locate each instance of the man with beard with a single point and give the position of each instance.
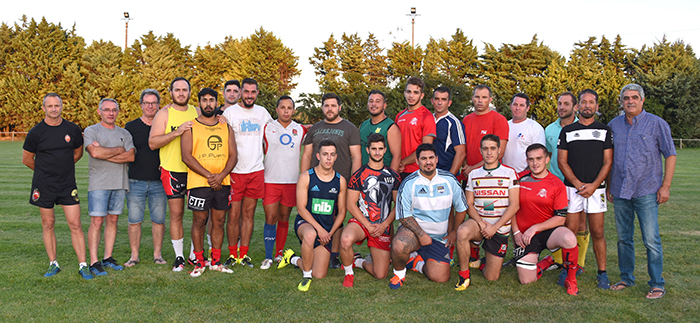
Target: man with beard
(381, 124)
(168, 125)
(585, 159)
(374, 187)
(209, 151)
(416, 123)
(247, 120)
(449, 141)
(522, 132)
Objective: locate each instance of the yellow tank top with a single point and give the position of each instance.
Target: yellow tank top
(210, 148)
(171, 154)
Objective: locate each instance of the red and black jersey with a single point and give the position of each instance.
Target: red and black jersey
(540, 198)
(376, 190)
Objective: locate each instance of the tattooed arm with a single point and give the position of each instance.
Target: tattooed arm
(411, 224)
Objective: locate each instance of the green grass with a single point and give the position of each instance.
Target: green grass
(150, 292)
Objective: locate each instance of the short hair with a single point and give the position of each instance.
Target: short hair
(523, 96)
(51, 95)
(417, 81)
(328, 96)
(249, 80)
(588, 91)
(574, 100)
(147, 92)
(205, 91)
(99, 106)
(481, 87)
(325, 143)
(189, 86)
(232, 82)
(443, 89)
(377, 92)
(491, 137)
(425, 147)
(632, 87)
(375, 137)
(284, 97)
(536, 146)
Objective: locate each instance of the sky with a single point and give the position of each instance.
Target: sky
(302, 25)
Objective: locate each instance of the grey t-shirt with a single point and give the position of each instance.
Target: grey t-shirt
(106, 175)
(344, 134)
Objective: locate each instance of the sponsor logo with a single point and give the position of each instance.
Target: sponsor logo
(441, 189)
(521, 136)
(378, 130)
(67, 138)
(248, 126)
(196, 203)
(315, 188)
(74, 195)
(483, 132)
(487, 192)
(333, 191)
(422, 191)
(214, 142)
(576, 135)
(322, 206)
(489, 206)
(602, 198)
(503, 249)
(596, 134)
(414, 121)
(542, 193)
(35, 195)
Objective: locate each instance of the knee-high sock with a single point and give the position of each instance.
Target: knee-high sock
(582, 238)
(269, 233)
(557, 257)
(571, 262)
(282, 230)
(177, 246)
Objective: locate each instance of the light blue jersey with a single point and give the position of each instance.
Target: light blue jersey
(551, 133)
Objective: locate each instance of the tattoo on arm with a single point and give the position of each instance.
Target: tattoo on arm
(411, 224)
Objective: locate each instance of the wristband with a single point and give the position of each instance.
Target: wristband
(516, 232)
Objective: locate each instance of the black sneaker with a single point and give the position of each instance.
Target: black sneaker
(111, 263)
(97, 270)
(509, 263)
(179, 264)
(335, 263)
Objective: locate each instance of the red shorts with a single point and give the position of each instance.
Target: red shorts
(286, 194)
(249, 185)
(382, 242)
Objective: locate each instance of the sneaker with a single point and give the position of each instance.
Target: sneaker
(198, 269)
(348, 281)
(278, 258)
(53, 270)
(453, 262)
(562, 277)
(571, 287)
(220, 268)
(412, 261)
(97, 270)
(335, 263)
(266, 264)
(304, 284)
(395, 282)
(463, 283)
(603, 281)
(286, 259)
(111, 263)
(179, 264)
(246, 261)
(579, 271)
(474, 263)
(555, 266)
(191, 261)
(84, 272)
(230, 262)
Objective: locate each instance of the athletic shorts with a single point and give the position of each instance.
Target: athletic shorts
(205, 198)
(103, 202)
(248, 185)
(436, 251)
(537, 244)
(597, 203)
(497, 245)
(298, 221)
(47, 198)
(286, 194)
(382, 242)
(174, 183)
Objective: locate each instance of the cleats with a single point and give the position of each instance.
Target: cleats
(53, 270)
(246, 261)
(348, 281)
(97, 270)
(304, 284)
(555, 266)
(198, 269)
(278, 258)
(603, 281)
(286, 259)
(179, 264)
(335, 263)
(571, 287)
(474, 263)
(266, 264)
(230, 262)
(462, 284)
(111, 263)
(396, 282)
(84, 272)
(413, 261)
(220, 268)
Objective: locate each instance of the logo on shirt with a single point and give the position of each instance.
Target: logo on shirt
(441, 189)
(322, 206)
(542, 193)
(521, 136)
(248, 126)
(315, 188)
(333, 191)
(422, 191)
(67, 139)
(378, 130)
(214, 142)
(596, 134)
(295, 132)
(35, 195)
(500, 182)
(576, 135)
(477, 184)
(74, 195)
(483, 132)
(414, 121)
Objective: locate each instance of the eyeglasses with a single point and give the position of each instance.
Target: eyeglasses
(110, 110)
(150, 103)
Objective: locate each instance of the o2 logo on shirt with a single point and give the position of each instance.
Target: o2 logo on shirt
(286, 140)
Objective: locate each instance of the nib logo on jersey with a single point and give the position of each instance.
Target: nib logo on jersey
(322, 206)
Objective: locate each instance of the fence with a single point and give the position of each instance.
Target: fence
(12, 136)
(687, 143)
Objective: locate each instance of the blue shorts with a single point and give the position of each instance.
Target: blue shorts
(437, 251)
(298, 221)
(142, 191)
(103, 202)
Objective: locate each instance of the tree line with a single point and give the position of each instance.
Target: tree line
(38, 57)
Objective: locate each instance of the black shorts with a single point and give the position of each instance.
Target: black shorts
(205, 198)
(537, 244)
(497, 245)
(44, 197)
(298, 221)
(174, 183)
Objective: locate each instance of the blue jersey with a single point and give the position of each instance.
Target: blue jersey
(429, 201)
(450, 133)
(322, 199)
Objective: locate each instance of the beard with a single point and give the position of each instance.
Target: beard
(376, 160)
(208, 114)
(245, 103)
(587, 115)
(181, 103)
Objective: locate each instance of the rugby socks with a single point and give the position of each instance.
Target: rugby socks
(452, 252)
(401, 273)
(233, 251)
(243, 251)
(269, 233)
(348, 270)
(199, 256)
(306, 274)
(464, 274)
(282, 230)
(359, 263)
(557, 257)
(474, 254)
(543, 265)
(294, 260)
(571, 262)
(178, 246)
(55, 262)
(334, 255)
(582, 238)
(215, 255)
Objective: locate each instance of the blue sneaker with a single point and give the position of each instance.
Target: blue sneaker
(97, 270)
(562, 277)
(84, 272)
(603, 281)
(53, 270)
(111, 263)
(396, 282)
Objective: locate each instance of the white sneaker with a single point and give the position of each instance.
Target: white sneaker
(197, 271)
(220, 268)
(278, 259)
(266, 263)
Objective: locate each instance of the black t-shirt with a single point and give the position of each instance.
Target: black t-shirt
(585, 145)
(54, 146)
(146, 163)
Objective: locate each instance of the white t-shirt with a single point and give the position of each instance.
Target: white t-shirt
(520, 136)
(491, 190)
(282, 152)
(248, 125)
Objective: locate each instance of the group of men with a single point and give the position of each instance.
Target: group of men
(547, 187)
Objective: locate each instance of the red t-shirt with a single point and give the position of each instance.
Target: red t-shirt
(414, 125)
(539, 198)
(476, 126)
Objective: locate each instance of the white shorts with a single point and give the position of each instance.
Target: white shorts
(597, 203)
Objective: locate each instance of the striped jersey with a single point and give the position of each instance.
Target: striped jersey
(450, 133)
(490, 188)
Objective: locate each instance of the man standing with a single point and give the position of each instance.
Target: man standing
(168, 125)
(144, 182)
(479, 123)
(522, 133)
(209, 151)
(232, 92)
(638, 185)
(321, 206)
(539, 223)
(282, 138)
(416, 123)
(51, 149)
(110, 148)
(424, 200)
(493, 198)
(585, 158)
(450, 141)
(381, 124)
(247, 120)
(374, 187)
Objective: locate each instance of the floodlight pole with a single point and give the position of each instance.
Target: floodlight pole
(413, 16)
(126, 30)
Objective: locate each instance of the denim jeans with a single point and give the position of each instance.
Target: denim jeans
(103, 202)
(142, 191)
(647, 210)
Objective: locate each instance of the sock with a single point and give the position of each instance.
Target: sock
(464, 274)
(281, 239)
(400, 273)
(334, 255)
(543, 265)
(348, 270)
(359, 263)
(571, 262)
(177, 246)
(192, 255)
(557, 257)
(419, 266)
(306, 274)
(209, 241)
(80, 265)
(294, 260)
(452, 252)
(483, 264)
(215, 256)
(582, 238)
(199, 256)
(233, 251)
(600, 272)
(244, 251)
(475, 253)
(270, 234)
(54, 263)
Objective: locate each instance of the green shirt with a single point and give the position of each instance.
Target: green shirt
(367, 128)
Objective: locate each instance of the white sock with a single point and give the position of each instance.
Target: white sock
(359, 263)
(307, 274)
(192, 256)
(419, 266)
(177, 246)
(348, 270)
(400, 273)
(80, 265)
(294, 260)
(55, 262)
(209, 240)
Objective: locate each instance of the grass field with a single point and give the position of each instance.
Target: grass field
(150, 292)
